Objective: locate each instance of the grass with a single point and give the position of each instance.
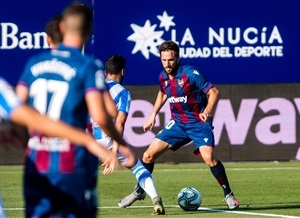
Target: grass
(263, 189)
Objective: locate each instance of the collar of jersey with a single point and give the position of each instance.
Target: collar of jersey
(62, 47)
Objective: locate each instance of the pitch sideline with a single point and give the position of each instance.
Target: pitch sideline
(218, 210)
(200, 208)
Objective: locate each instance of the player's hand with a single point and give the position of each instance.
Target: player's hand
(205, 116)
(110, 163)
(149, 124)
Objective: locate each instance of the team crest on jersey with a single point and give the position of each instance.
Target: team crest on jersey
(180, 82)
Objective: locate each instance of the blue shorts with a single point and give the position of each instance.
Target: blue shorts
(178, 135)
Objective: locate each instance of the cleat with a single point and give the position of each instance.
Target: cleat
(158, 206)
(231, 201)
(137, 194)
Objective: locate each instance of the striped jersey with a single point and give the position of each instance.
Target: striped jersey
(57, 81)
(8, 100)
(122, 99)
(186, 93)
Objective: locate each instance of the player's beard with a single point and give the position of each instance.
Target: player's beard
(171, 70)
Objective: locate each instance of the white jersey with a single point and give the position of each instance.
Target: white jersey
(8, 100)
(122, 99)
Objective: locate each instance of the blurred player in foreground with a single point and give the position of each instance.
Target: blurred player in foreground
(54, 36)
(60, 179)
(12, 109)
(192, 98)
(115, 69)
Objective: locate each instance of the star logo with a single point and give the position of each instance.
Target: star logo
(166, 20)
(146, 39)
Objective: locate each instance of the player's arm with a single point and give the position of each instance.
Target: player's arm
(213, 96)
(22, 92)
(26, 115)
(110, 104)
(159, 102)
(120, 121)
(99, 113)
(120, 125)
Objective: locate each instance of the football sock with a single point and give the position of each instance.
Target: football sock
(219, 173)
(149, 166)
(144, 179)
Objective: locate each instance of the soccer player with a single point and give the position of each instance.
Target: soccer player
(60, 179)
(54, 36)
(115, 70)
(12, 109)
(192, 98)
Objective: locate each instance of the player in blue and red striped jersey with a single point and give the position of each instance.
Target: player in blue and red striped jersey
(60, 179)
(18, 115)
(115, 70)
(192, 98)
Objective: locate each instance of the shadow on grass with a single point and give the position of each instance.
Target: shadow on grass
(269, 206)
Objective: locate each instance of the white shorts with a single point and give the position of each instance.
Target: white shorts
(108, 142)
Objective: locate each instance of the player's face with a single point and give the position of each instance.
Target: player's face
(169, 61)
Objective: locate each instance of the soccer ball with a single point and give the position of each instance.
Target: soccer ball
(189, 199)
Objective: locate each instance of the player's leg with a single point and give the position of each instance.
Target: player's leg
(218, 171)
(145, 181)
(204, 142)
(143, 177)
(171, 137)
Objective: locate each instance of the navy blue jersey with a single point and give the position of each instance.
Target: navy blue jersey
(186, 93)
(57, 81)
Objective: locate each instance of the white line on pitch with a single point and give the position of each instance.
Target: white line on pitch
(200, 208)
(218, 210)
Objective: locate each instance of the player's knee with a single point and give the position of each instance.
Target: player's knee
(209, 159)
(147, 158)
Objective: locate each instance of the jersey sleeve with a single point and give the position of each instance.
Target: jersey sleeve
(163, 82)
(124, 102)
(26, 76)
(94, 77)
(200, 81)
(8, 100)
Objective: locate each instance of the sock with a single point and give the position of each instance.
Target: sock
(219, 173)
(149, 166)
(144, 179)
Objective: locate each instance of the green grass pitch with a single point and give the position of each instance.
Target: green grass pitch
(264, 189)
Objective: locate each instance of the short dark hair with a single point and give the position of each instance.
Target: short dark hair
(52, 29)
(114, 64)
(85, 12)
(169, 45)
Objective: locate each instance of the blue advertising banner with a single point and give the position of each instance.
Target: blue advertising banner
(22, 32)
(231, 42)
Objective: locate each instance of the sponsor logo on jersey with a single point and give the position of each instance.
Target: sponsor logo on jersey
(49, 144)
(178, 99)
(196, 72)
